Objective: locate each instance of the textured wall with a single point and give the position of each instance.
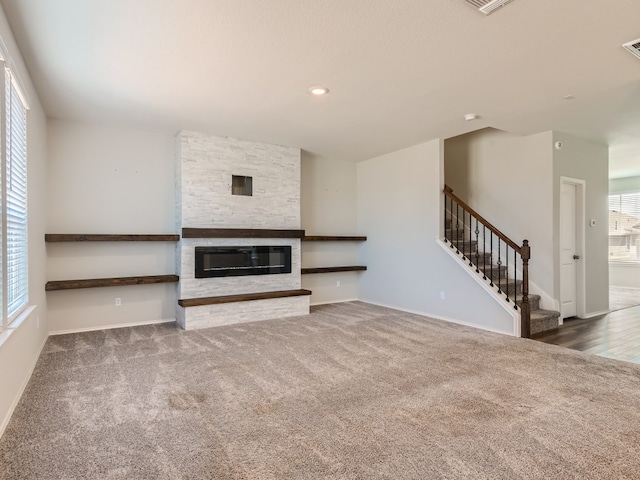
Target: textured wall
(207, 164)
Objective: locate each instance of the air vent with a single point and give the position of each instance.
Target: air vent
(633, 47)
(488, 6)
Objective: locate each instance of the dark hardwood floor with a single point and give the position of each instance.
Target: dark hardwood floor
(614, 335)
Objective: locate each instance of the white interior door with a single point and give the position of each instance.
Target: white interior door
(568, 253)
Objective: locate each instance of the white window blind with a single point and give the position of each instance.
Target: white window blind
(624, 227)
(15, 185)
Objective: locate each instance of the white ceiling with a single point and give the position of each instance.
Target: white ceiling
(400, 72)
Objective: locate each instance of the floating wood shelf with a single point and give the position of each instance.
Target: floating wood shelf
(244, 297)
(350, 268)
(240, 233)
(81, 237)
(109, 282)
(329, 238)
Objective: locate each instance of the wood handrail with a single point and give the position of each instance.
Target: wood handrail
(449, 192)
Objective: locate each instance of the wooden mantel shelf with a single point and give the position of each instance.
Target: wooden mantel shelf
(240, 233)
(91, 237)
(244, 297)
(334, 238)
(349, 268)
(109, 282)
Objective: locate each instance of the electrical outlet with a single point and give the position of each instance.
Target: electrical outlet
(337, 283)
(118, 301)
(441, 295)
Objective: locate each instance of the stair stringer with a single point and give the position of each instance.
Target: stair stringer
(500, 298)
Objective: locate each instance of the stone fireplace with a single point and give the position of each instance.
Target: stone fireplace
(227, 185)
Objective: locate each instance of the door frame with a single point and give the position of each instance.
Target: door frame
(580, 213)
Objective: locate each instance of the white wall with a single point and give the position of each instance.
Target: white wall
(20, 346)
(507, 178)
(328, 207)
(588, 161)
(109, 180)
(399, 210)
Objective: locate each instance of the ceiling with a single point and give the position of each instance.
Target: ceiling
(400, 72)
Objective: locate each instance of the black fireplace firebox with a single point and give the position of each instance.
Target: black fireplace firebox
(236, 261)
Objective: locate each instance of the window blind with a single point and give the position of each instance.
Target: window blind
(15, 185)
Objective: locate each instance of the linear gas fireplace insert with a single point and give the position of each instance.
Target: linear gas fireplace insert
(236, 261)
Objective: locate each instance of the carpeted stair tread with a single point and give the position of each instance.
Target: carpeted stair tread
(542, 320)
(534, 301)
(540, 313)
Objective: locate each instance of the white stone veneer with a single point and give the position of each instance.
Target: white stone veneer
(240, 312)
(204, 167)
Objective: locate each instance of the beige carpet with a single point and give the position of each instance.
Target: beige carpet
(350, 392)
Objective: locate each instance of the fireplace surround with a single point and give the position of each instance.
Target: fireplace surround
(209, 215)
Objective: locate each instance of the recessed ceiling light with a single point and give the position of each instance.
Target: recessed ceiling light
(569, 97)
(471, 116)
(319, 90)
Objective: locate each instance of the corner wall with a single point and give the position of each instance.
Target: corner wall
(328, 207)
(399, 198)
(20, 346)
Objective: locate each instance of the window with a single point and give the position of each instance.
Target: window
(13, 172)
(624, 227)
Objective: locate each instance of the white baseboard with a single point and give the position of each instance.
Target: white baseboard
(14, 404)
(439, 317)
(109, 327)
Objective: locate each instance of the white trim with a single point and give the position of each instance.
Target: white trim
(499, 298)
(581, 281)
(15, 323)
(14, 404)
(109, 327)
(335, 301)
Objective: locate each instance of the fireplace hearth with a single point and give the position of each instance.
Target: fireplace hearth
(241, 260)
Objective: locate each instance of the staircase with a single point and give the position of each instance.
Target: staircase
(472, 239)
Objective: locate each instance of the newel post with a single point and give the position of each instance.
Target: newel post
(525, 309)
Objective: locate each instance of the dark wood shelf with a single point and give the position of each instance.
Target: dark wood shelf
(109, 282)
(82, 237)
(244, 297)
(350, 268)
(240, 233)
(334, 238)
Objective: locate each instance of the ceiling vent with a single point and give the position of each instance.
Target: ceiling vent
(633, 46)
(488, 6)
